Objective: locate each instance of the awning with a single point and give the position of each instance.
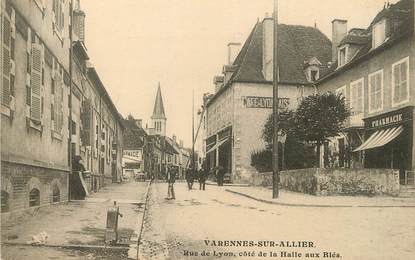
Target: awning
(217, 145)
(380, 138)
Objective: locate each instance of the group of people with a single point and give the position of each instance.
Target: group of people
(190, 177)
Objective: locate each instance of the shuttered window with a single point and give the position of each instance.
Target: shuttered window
(5, 63)
(36, 82)
(57, 119)
(58, 14)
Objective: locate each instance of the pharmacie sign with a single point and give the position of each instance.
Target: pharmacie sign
(263, 102)
(392, 118)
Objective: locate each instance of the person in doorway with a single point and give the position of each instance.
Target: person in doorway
(189, 177)
(171, 179)
(220, 174)
(77, 188)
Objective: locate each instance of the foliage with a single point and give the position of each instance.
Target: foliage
(317, 118)
(262, 160)
(320, 116)
(286, 119)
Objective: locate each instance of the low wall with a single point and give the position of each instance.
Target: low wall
(367, 182)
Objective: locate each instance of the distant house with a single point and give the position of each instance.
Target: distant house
(136, 154)
(236, 113)
(374, 69)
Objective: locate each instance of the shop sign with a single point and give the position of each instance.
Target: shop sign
(392, 118)
(387, 120)
(263, 102)
(136, 154)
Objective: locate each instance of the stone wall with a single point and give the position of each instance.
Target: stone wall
(323, 182)
(17, 180)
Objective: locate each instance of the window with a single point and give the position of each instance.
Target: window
(56, 194)
(375, 91)
(314, 75)
(4, 201)
(342, 56)
(57, 88)
(73, 125)
(58, 15)
(36, 82)
(357, 96)
(6, 49)
(400, 84)
(341, 91)
(34, 198)
(378, 33)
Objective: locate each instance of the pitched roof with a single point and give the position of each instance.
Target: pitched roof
(402, 26)
(133, 135)
(169, 147)
(296, 44)
(158, 110)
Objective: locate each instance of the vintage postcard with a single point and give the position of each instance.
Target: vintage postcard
(207, 129)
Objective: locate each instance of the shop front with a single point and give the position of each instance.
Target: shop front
(219, 150)
(388, 142)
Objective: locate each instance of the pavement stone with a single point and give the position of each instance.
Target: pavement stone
(80, 223)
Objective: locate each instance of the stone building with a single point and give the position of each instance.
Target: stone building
(40, 116)
(236, 113)
(374, 68)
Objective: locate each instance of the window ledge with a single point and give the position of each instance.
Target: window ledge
(5, 111)
(56, 135)
(403, 102)
(58, 33)
(41, 6)
(34, 125)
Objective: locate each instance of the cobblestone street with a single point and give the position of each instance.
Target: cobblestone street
(177, 229)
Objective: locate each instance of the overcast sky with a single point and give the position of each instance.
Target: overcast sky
(134, 44)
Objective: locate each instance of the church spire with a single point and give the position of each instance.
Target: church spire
(158, 111)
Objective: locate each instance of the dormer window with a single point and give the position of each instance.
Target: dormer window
(343, 55)
(378, 33)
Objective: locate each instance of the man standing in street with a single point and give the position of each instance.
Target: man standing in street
(189, 177)
(203, 172)
(220, 175)
(171, 179)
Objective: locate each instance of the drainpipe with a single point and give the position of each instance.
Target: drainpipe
(70, 95)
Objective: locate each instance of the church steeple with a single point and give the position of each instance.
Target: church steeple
(159, 117)
(158, 110)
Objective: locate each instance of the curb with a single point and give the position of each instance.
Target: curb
(316, 205)
(140, 234)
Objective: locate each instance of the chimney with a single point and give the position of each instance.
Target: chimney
(218, 81)
(181, 143)
(228, 71)
(268, 42)
(79, 22)
(139, 123)
(233, 51)
(338, 32)
(175, 139)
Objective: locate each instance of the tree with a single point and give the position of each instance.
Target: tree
(319, 117)
(297, 154)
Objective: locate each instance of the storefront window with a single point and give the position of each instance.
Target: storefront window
(400, 86)
(375, 91)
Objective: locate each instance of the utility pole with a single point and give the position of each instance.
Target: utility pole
(193, 132)
(275, 172)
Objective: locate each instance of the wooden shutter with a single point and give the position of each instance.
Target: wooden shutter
(86, 122)
(5, 63)
(56, 99)
(36, 82)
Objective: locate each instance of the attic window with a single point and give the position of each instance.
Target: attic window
(342, 56)
(378, 33)
(314, 75)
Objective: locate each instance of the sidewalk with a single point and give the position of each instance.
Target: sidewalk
(81, 224)
(294, 199)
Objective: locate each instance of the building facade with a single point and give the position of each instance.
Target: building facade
(41, 124)
(236, 113)
(374, 69)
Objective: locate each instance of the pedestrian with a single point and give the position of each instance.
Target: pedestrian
(171, 179)
(77, 189)
(189, 177)
(203, 173)
(220, 174)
